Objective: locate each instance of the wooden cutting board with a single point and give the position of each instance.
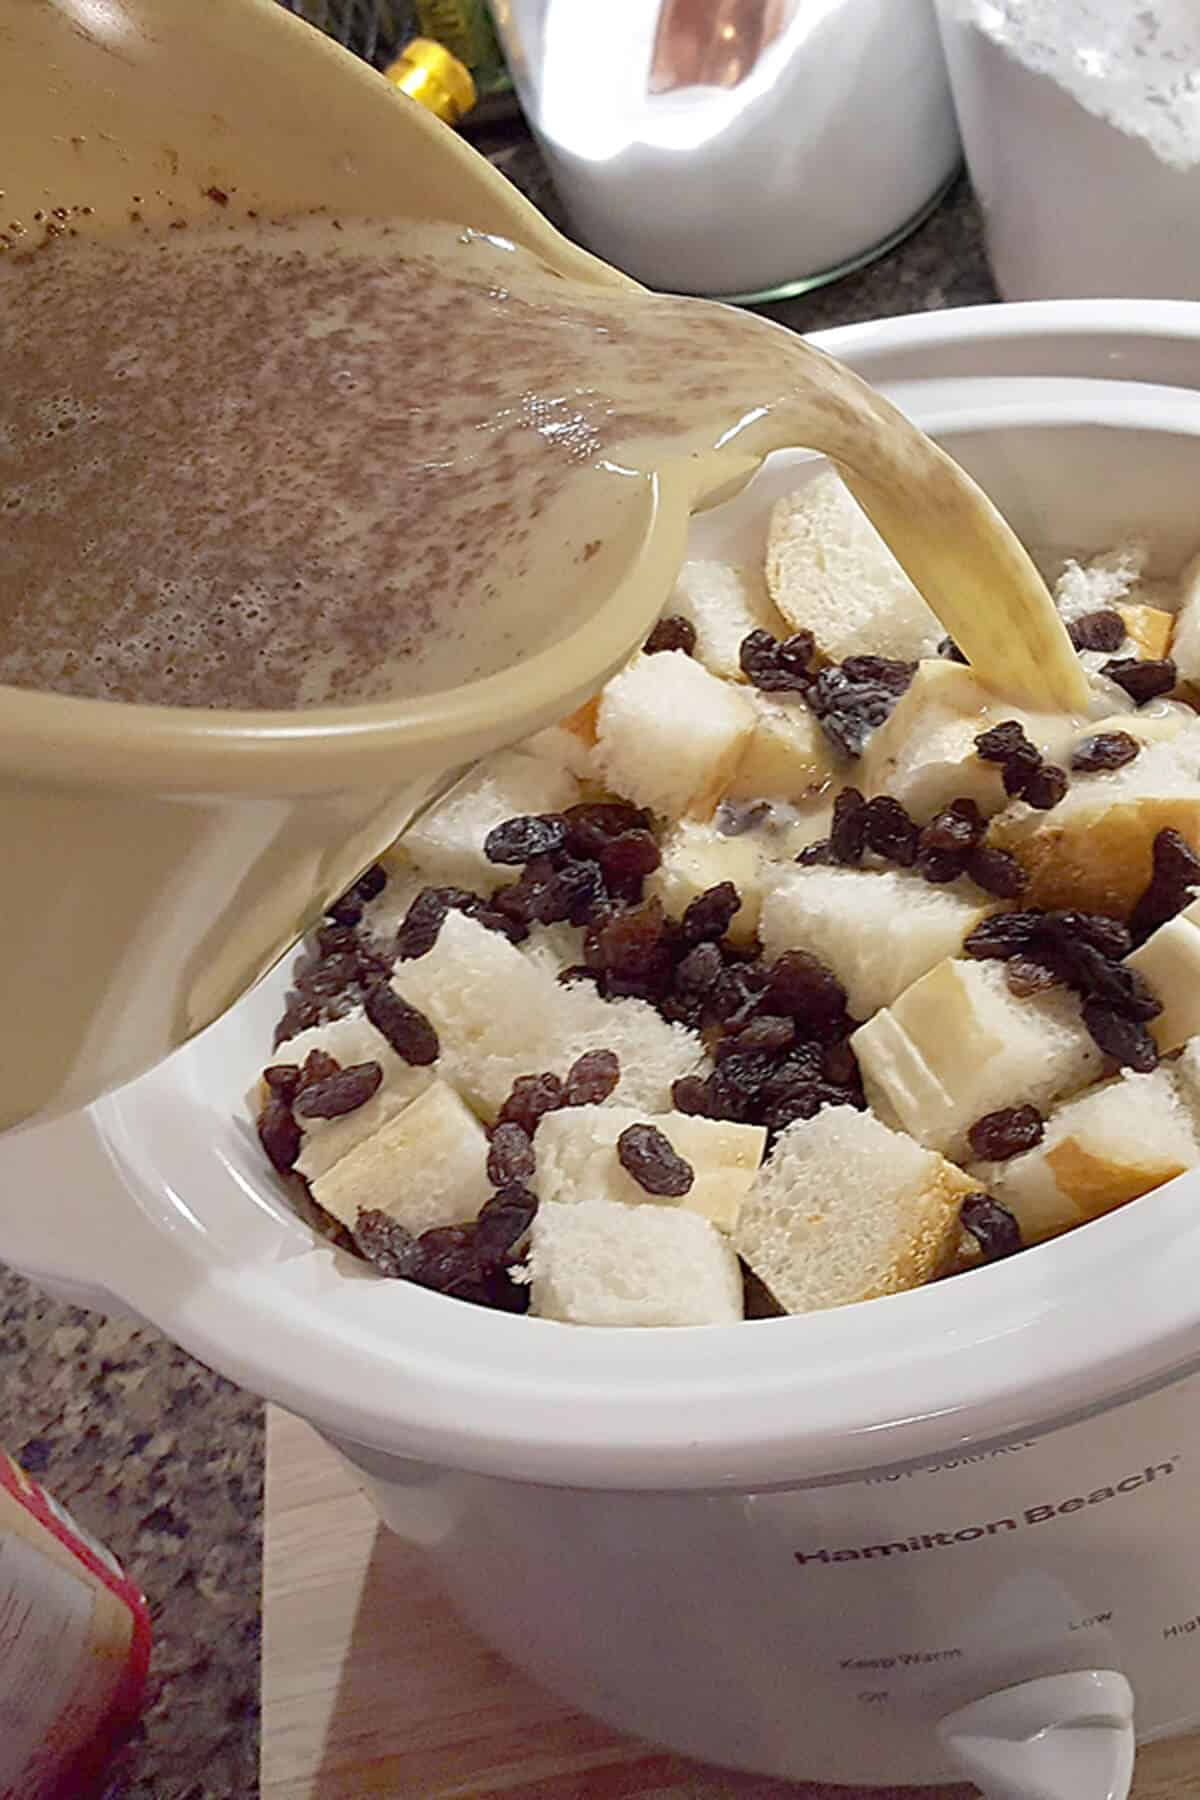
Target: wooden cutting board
(372, 1689)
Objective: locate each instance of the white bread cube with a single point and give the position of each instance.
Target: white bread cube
(669, 734)
(697, 856)
(1108, 1146)
(554, 947)
(571, 744)
(426, 1167)
(1170, 962)
(496, 1012)
(878, 932)
(1100, 584)
(958, 1044)
(351, 1040)
(577, 1159)
(830, 572)
(445, 844)
(788, 754)
(652, 1053)
(1185, 640)
(845, 1209)
(600, 1263)
(1094, 849)
(725, 602)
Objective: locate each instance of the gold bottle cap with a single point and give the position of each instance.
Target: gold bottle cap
(427, 72)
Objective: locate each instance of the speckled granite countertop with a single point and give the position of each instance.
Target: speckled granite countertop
(163, 1459)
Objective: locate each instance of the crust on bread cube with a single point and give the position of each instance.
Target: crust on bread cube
(924, 754)
(1170, 962)
(1185, 640)
(1148, 630)
(602, 1263)
(570, 744)
(446, 843)
(695, 857)
(577, 1159)
(830, 572)
(495, 1011)
(669, 734)
(725, 602)
(788, 755)
(958, 1044)
(426, 1167)
(1100, 1150)
(845, 1209)
(351, 1040)
(651, 1052)
(1094, 850)
(877, 931)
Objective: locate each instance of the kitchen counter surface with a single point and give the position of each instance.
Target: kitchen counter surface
(162, 1459)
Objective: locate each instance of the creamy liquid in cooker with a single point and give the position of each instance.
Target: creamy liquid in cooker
(276, 466)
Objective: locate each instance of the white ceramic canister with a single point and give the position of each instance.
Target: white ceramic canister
(1081, 125)
(798, 1545)
(743, 149)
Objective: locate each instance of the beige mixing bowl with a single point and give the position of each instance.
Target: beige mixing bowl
(157, 860)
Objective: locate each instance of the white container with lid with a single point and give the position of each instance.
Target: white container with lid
(1081, 124)
(736, 148)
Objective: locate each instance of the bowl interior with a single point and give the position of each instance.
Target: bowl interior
(225, 1266)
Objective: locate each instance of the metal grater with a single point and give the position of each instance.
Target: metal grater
(373, 29)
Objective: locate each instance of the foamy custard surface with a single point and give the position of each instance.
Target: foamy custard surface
(275, 466)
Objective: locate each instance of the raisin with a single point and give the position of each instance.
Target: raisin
(510, 1155)
(801, 987)
(502, 1222)
(1003, 742)
(1107, 750)
(689, 1094)
(709, 916)
(339, 1094)
(767, 1032)
(1108, 936)
(940, 866)
(421, 924)
(992, 1226)
(445, 1261)
(1116, 985)
(672, 633)
(882, 671)
(1044, 787)
(737, 992)
(406, 1029)
(1026, 977)
(590, 823)
(996, 872)
(848, 835)
(839, 1065)
(385, 1242)
(531, 1098)
(958, 828)
(1019, 771)
(1003, 935)
(1176, 871)
(579, 887)
(999, 1135)
(515, 930)
(625, 861)
(850, 710)
(1143, 678)
(577, 972)
(816, 854)
(777, 665)
(591, 1078)
(1103, 630)
(318, 1066)
(735, 817)
(698, 972)
(348, 910)
(950, 650)
(279, 1134)
(634, 947)
(1125, 1040)
(889, 831)
(283, 1079)
(650, 1158)
(519, 840)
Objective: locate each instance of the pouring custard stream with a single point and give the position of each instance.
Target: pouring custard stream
(280, 466)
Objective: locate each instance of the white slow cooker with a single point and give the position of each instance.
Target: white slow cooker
(953, 1530)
